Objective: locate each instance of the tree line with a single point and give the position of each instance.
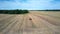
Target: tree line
(13, 11)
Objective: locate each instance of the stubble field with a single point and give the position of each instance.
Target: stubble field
(35, 22)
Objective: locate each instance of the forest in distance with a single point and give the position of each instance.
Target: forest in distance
(21, 11)
(47, 10)
(14, 11)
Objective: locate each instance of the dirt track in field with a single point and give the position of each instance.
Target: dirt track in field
(33, 23)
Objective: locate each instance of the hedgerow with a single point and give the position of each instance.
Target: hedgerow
(14, 11)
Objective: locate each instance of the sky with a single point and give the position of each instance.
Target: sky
(29, 4)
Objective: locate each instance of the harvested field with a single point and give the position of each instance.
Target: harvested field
(36, 22)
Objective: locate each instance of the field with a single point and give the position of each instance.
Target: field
(35, 22)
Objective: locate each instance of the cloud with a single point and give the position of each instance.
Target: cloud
(9, 5)
(29, 4)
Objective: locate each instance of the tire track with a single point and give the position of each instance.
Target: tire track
(29, 26)
(32, 22)
(52, 27)
(6, 23)
(23, 25)
(19, 31)
(16, 29)
(43, 25)
(51, 20)
(54, 16)
(5, 16)
(8, 28)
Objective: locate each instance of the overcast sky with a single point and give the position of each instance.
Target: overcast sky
(30, 4)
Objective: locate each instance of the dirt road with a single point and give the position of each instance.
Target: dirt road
(40, 23)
